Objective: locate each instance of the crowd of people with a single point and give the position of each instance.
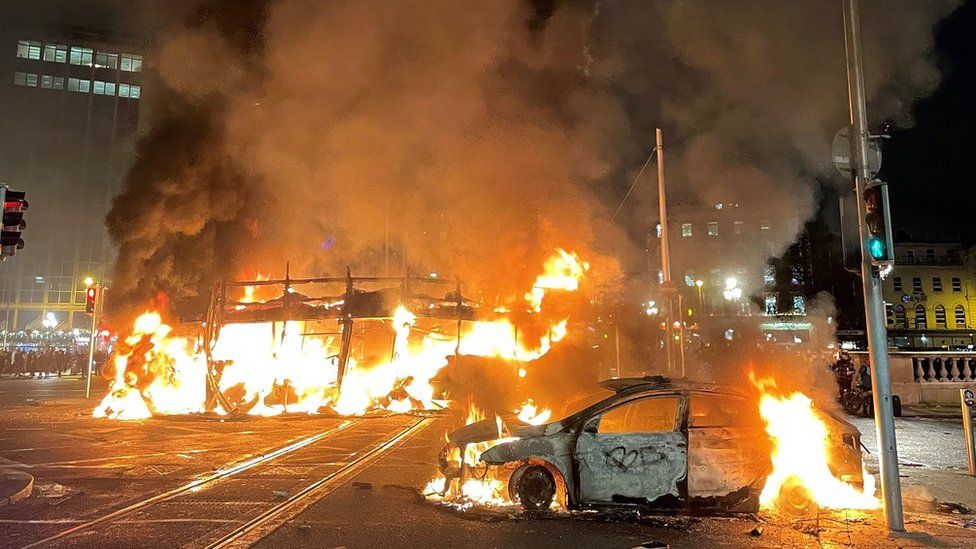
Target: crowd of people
(45, 362)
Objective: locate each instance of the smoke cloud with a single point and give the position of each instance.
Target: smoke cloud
(473, 138)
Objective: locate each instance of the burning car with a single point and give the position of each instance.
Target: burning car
(644, 442)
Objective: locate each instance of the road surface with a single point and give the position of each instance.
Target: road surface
(307, 481)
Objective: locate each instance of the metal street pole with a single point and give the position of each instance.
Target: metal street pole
(91, 344)
(871, 279)
(967, 400)
(662, 202)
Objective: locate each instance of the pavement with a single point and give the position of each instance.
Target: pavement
(85, 469)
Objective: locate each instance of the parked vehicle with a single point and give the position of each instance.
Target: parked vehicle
(646, 442)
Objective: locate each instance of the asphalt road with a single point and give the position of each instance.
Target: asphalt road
(306, 481)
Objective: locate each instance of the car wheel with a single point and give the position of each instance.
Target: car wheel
(533, 487)
(795, 499)
(851, 402)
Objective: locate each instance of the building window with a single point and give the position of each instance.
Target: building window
(901, 318)
(889, 314)
(960, 314)
(686, 229)
(131, 62)
(911, 256)
(920, 323)
(769, 277)
(103, 88)
(28, 79)
(956, 284)
(56, 53)
(799, 305)
(133, 91)
(936, 283)
(930, 256)
(940, 317)
(917, 285)
(689, 279)
(81, 56)
(47, 81)
(737, 227)
(896, 283)
(713, 228)
(28, 49)
(764, 225)
(79, 85)
(770, 302)
(106, 60)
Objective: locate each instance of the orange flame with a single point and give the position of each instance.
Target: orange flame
(800, 452)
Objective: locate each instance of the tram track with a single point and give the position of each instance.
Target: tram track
(195, 485)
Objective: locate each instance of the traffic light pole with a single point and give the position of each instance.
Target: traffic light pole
(91, 347)
(871, 280)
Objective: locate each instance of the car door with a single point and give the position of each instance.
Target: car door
(727, 445)
(633, 452)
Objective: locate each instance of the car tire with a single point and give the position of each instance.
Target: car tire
(795, 499)
(533, 486)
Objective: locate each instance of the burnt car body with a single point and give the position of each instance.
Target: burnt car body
(653, 443)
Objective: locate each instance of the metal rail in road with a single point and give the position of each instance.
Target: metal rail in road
(218, 475)
(257, 528)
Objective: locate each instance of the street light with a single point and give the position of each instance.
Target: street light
(701, 302)
(732, 291)
(88, 281)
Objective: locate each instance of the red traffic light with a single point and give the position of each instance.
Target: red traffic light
(90, 296)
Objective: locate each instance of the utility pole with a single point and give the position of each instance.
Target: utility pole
(668, 289)
(871, 279)
(91, 337)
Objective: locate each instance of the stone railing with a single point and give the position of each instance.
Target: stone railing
(929, 377)
(943, 367)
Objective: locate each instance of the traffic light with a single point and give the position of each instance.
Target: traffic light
(878, 244)
(90, 298)
(14, 206)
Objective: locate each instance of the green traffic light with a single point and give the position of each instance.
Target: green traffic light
(876, 248)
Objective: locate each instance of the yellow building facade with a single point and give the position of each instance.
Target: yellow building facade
(930, 296)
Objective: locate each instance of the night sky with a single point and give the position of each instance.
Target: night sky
(929, 166)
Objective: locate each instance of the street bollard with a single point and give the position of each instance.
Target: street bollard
(968, 402)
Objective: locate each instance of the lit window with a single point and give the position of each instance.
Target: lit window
(20, 78)
(134, 91)
(81, 56)
(686, 229)
(56, 53)
(658, 229)
(799, 305)
(770, 302)
(769, 276)
(896, 283)
(47, 81)
(917, 285)
(103, 88)
(936, 284)
(79, 85)
(956, 284)
(764, 225)
(27, 49)
(106, 60)
(58, 83)
(689, 279)
(713, 228)
(737, 227)
(960, 314)
(131, 62)
(940, 316)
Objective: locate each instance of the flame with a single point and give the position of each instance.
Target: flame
(562, 271)
(800, 452)
(274, 368)
(532, 415)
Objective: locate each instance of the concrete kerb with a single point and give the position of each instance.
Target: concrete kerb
(15, 486)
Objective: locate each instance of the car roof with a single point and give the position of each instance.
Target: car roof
(630, 385)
